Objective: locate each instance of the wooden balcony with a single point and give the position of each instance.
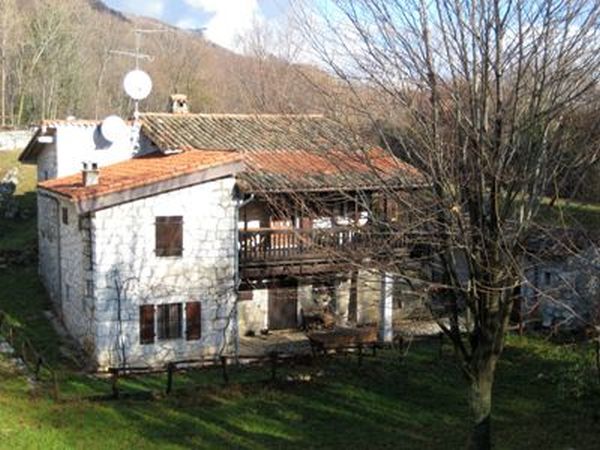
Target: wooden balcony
(297, 251)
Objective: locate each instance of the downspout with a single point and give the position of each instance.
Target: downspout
(237, 281)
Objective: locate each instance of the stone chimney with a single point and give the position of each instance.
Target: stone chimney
(179, 104)
(90, 174)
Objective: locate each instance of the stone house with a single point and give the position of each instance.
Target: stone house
(172, 248)
(561, 286)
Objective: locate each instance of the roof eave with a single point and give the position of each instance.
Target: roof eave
(30, 153)
(108, 200)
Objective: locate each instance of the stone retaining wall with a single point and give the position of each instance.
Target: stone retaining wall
(15, 139)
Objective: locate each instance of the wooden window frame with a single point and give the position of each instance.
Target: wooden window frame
(169, 236)
(193, 321)
(169, 321)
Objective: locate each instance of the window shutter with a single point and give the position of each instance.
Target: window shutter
(193, 318)
(169, 236)
(146, 324)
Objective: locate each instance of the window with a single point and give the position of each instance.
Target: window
(169, 321)
(65, 216)
(193, 321)
(169, 236)
(147, 324)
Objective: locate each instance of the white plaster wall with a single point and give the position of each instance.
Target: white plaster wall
(46, 163)
(369, 292)
(342, 295)
(76, 144)
(128, 272)
(253, 314)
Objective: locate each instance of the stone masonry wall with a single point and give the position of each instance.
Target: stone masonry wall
(15, 139)
(128, 273)
(76, 268)
(48, 241)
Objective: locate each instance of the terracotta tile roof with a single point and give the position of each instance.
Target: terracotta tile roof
(52, 123)
(305, 170)
(139, 172)
(282, 152)
(239, 131)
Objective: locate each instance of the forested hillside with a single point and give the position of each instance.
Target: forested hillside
(56, 61)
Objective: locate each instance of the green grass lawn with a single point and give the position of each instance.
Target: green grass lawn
(416, 403)
(571, 214)
(546, 395)
(21, 233)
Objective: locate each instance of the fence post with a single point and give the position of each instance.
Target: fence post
(170, 370)
(273, 356)
(360, 354)
(55, 387)
(38, 367)
(224, 369)
(115, 383)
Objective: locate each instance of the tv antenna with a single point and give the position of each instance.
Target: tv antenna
(137, 83)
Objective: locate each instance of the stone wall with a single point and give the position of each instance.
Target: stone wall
(563, 292)
(15, 139)
(77, 305)
(128, 273)
(48, 247)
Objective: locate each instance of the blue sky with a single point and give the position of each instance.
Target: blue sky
(223, 19)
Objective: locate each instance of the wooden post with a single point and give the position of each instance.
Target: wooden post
(115, 383)
(55, 387)
(224, 369)
(170, 370)
(360, 354)
(273, 356)
(598, 356)
(400, 344)
(38, 367)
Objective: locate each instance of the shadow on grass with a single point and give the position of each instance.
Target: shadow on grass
(419, 403)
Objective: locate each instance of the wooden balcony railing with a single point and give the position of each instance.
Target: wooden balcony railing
(267, 244)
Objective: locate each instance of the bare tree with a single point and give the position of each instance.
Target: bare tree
(475, 95)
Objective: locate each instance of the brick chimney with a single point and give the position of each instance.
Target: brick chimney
(179, 104)
(90, 174)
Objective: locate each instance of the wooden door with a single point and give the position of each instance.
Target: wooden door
(283, 304)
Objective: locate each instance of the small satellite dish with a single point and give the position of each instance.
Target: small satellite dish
(114, 129)
(137, 84)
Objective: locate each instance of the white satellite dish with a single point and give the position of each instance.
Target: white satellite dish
(137, 84)
(114, 129)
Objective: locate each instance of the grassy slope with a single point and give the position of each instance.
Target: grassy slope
(572, 214)
(22, 233)
(415, 404)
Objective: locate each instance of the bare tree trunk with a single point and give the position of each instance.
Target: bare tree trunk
(481, 408)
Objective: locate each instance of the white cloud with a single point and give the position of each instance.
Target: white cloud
(229, 19)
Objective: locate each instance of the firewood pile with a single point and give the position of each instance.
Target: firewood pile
(318, 319)
(339, 338)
